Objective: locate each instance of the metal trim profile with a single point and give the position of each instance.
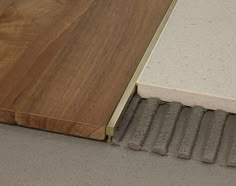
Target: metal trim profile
(131, 88)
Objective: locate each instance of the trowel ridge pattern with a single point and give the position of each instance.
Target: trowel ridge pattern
(170, 128)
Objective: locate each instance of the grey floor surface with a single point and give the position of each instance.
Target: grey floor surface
(32, 157)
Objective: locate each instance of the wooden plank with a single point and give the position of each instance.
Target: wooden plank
(65, 64)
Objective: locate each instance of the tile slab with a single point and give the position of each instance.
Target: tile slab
(194, 60)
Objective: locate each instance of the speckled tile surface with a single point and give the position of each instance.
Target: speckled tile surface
(194, 61)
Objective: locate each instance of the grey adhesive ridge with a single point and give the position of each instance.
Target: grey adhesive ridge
(163, 139)
(229, 132)
(191, 132)
(232, 155)
(202, 136)
(155, 128)
(214, 138)
(231, 160)
(126, 119)
(133, 124)
(180, 128)
(143, 124)
(176, 130)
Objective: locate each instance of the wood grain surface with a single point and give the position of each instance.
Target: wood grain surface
(64, 64)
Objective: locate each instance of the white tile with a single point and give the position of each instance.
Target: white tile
(194, 61)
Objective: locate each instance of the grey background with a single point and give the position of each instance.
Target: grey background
(32, 157)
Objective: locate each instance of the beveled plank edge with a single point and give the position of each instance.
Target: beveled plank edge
(52, 124)
(59, 126)
(7, 116)
(131, 88)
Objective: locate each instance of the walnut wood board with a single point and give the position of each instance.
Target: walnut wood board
(64, 65)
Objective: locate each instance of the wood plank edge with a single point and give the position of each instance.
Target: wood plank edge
(7, 116)
(59, 126)
(52, 125)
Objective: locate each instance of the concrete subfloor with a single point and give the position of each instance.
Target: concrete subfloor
(32, 157)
